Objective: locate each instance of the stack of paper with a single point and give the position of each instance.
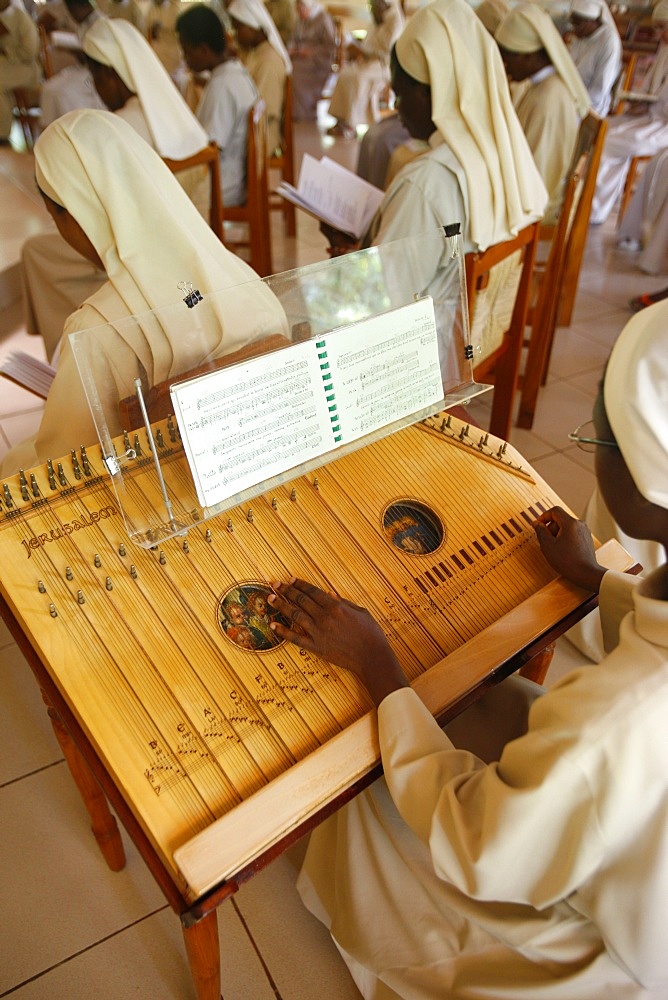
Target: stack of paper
(28, 372)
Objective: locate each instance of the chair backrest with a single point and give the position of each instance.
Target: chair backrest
(207, 157)
(45, 54)
(546, 306)
(284, 160)
(255, 213)
(498, 282)
(624, 82)
(590, 141)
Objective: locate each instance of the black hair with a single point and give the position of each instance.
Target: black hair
(199, 25)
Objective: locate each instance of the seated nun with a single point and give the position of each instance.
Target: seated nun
(131, 82)
(116, 203)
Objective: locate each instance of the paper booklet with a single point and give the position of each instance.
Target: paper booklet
(636, 95)
(30, 373)
(333, 194)
(245, 424)
(65, 40)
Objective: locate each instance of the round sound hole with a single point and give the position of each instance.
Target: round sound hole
(413, 527)
(245, 616)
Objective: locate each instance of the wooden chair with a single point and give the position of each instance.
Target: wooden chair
(255, 213)
(624, 82)
(544, 311)
(284, 161)
(591, 137)
(630, 183)
(45, 52)
(28, 113)
(208, 157)
(498, 284)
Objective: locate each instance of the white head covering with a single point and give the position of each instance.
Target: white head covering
(589, 9)
(491, 13)
(593, 9)
(528, 28)
(446, 46)
(175, 131)
(660, 12)
(635, 391)
(255, 15)
(150, 237)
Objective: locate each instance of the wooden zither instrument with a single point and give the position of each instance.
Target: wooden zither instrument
(220, 741)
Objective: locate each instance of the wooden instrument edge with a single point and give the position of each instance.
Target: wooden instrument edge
(214, 855)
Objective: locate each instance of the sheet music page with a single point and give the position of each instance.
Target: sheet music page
(385, 368)
(244, 424)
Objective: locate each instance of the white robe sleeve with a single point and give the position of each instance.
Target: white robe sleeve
(503, 831)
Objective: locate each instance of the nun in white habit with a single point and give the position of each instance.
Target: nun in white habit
(116, 202)
(478, 170)
(596, 49)
(135, 85)
(536, 868)
(554, 100)
(633, 133)
(266, 58)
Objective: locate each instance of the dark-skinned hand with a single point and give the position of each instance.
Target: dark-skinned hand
(339, 632)
(339, 243)
(567, 545)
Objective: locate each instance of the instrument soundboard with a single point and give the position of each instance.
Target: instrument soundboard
(216, 736)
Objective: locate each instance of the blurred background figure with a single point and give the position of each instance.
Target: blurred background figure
(644, 226)
(160, 19)
(71, 87)
(284, 15)
(554, 99)
(266, 58)
(366, 72)
(596, 49)
(226, 99)
(19, 59)
(640, 131)
(312, 49)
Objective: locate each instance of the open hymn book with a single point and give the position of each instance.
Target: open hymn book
(333, 194)
(262, 417)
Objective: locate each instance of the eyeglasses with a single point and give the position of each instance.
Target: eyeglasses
(587, 443)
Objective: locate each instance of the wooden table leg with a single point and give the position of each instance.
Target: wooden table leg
(104, 826)
(203, 951)
(536, 668)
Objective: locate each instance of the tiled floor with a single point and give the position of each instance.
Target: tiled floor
(71, 928)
